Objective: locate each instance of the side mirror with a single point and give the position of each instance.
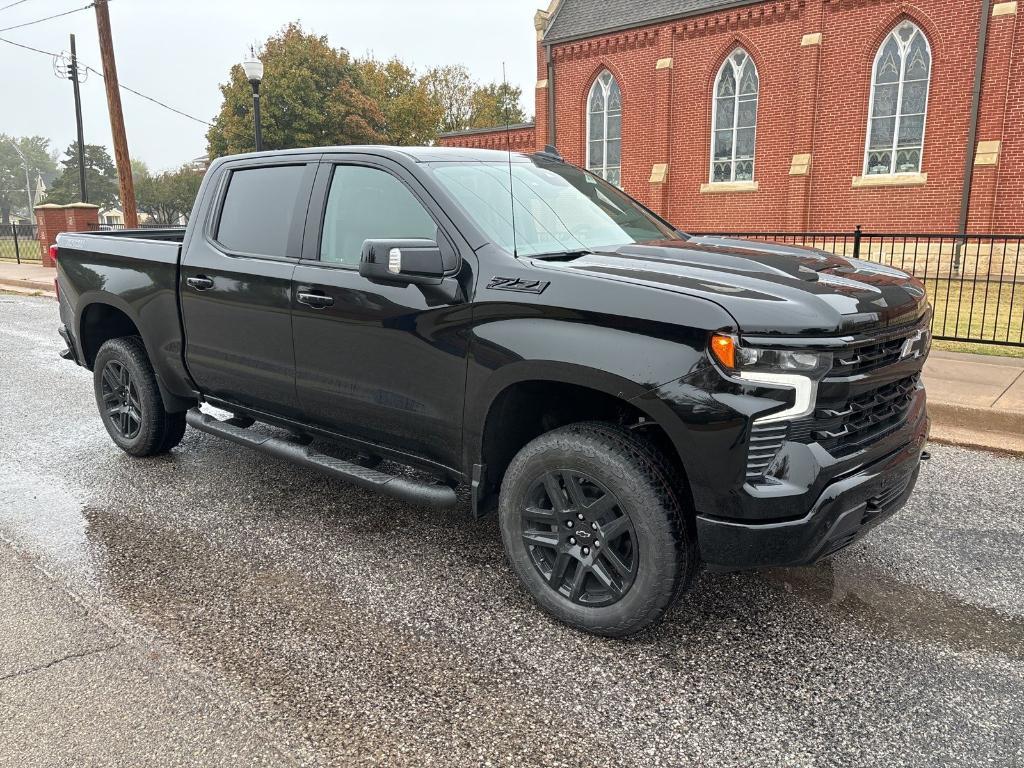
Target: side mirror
(418, 262)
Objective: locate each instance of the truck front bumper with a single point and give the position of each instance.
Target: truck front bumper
(846, 510)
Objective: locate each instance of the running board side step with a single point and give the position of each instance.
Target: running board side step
(425, 494)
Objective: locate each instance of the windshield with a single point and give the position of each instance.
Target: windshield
(558, 208)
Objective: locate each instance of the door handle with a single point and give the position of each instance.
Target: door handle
(200, 282)
(315, 300)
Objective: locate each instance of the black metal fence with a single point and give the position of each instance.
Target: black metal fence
(975, 282)
(20, 242)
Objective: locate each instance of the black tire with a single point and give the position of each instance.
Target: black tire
(129, 400)
(623, 487)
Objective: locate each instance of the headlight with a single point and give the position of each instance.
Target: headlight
(739, 359)
(796, 370)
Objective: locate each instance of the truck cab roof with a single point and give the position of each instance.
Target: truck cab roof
(416, 154)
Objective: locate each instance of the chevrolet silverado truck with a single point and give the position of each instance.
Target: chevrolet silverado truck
(632, 401)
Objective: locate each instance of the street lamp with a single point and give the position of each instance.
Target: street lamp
(254, 74)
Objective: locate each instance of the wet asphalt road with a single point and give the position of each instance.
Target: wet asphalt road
(346, 628)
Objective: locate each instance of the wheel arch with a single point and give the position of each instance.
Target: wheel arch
(101, 319)
(104, 316)
(526, 399)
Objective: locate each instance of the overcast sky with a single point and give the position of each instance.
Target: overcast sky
(178, 52)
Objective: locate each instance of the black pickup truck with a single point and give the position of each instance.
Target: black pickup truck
(633, 401)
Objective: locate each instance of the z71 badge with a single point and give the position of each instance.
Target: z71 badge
(517, 284)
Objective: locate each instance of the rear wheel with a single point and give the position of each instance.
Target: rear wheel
(129, 400)
(594, 526)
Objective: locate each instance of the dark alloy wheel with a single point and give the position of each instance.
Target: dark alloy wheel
(579, 537)
(129, 399)
(121, 399)
(598, 526)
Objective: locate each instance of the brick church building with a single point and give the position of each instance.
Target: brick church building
(788, 115)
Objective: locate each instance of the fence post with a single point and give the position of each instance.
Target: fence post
(17, 251)
(856, 242)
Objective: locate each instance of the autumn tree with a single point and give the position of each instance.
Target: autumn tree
(451, 88)
(167, 197)
(496, 104)
(310, 96)
(100, 178)
(41, 163)
(411, 116)
(463, 103)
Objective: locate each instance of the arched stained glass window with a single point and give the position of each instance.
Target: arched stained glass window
(604, 128)
(899, 102)
(734, 119)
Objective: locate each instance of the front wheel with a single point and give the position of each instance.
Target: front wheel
(595, 525)
(129, 400)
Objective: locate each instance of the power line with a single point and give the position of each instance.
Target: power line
(46, 18)
(150, 98)
(11, 5)
(27, 47)
(100, 74)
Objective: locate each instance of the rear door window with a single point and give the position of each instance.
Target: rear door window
(259, 208)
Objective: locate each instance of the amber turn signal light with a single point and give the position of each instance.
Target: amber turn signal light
(724, 349)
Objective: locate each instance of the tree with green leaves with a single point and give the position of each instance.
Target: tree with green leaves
(41, 164)
(167, 197)
(310, 96)
(464, 103)
(496, 104)
(451, 88)
(100, 178)
(411, 116)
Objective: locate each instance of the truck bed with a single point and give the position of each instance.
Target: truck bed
(173, 234)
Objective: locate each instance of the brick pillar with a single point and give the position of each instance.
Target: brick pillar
(661, 141)
(802, 160)
(992, 117)
(54, 219)
(541, 119)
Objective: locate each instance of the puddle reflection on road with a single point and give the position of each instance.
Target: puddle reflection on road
(858, 591)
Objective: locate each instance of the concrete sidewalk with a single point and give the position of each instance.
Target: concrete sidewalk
(29, 279)
(974, 400)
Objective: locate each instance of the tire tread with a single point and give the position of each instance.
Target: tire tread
(161, 430)
(650, 471)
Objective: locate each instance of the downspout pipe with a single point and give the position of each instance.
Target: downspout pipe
(552, 133)
(972, 131)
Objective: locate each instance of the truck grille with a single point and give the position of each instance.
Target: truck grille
(848, 426)
(865, 397)
(868, 358)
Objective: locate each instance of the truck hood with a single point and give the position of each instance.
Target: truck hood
(768, 288)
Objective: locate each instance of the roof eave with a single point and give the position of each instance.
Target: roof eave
(549, 41)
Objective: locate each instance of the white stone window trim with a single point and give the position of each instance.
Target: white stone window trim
(904, 50)
(605, 87)
(737, 74)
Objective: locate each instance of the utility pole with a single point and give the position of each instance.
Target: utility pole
(121, 157)
(73, 75)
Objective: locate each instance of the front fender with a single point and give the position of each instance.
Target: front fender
(622, 362)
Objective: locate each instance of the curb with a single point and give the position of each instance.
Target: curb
(27, 287)
(982, 428)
